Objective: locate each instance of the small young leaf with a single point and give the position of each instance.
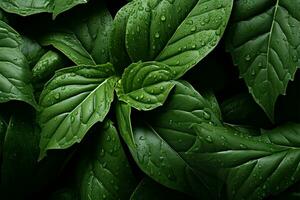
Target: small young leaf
(145, 86)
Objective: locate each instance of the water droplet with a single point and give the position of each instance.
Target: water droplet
(193, 29)
(207, 19)
(108, 138)
(209, 139)
(190, 22)
(137, 98)
(72, 119)
(162, 88)
(57, 96)
(206, 115)
(248, 57)
(157, 35)
(253, 72)
(141, 137)
(260, 64)
(163, 18)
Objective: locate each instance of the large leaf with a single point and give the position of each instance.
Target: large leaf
(72, 101)
(264, 41)
(14, 70)
(30, 7)
(145, 86)
(104, 172)
(148, 189)
(178, 33)
(83, 39)
(20, 153)
(158, 149)
(252, 167)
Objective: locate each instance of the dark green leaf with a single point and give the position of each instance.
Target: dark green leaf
(158, 149)
(14, 70)
(252, 167)
(264, 41)
(72, 101)
(31, 50)
(104, 172)
(47, 65)
(20, 153)
(148, 189)
(242, 109)
(30, 7)
(83, 39)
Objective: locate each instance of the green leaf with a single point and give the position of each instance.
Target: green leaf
(104, 172)
(158, 148)
(148, 189)
(263, 40)
(252, 167)
(30, 7)
(177, 33)
(242, 109)
(119, 56)
(123, 114)
(70, 45)
(20, 152)
(145, 86)
(31, 50)
(14, 70)
(72, 101)
(47, 65)
(83, 39)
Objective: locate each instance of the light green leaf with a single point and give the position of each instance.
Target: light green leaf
(252, 167)
(148, 189)
(263, 40)
(104, 171)
(30, 7)
(177, 33)
(72, 101)
(145, 86)
(14, 69)
(158, 147)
